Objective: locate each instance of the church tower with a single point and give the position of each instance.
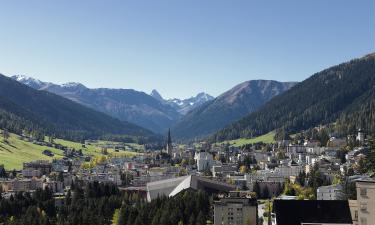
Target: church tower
(169, 146)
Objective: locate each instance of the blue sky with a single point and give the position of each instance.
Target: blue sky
(181, 47)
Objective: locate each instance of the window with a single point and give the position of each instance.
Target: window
(363, 206)
(363, 192)
(363, 221)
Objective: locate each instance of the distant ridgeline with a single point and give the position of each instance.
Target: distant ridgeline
(26, 110)
(344, 94)
(227, 108)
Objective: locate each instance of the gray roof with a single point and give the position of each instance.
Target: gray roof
(172, 187)
(367, 180)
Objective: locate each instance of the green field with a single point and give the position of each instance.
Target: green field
(266, 138)
(16, 151)
(88, 150)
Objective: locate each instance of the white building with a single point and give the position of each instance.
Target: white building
(332, 192)
(224, 170)
(315, 150)
(204, 161)
(287, 171)
(311, 160)
(360, 136)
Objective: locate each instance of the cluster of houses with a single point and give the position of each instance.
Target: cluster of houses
(217, 169)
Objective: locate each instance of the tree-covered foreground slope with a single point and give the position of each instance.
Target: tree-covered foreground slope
(23, 109)
(104, 204)
(344, 94)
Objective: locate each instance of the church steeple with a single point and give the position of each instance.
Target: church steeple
(169, 146)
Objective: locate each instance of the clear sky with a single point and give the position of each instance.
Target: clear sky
(181, 47)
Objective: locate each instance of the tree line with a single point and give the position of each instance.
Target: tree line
(95, 203)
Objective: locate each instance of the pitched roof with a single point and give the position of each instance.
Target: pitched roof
(172, 187)
(295, 212)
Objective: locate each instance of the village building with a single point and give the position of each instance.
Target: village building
(235, 210)
(366, 201)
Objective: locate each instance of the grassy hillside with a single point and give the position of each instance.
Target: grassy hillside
(16, 151)
(95, 149)
(266, 138)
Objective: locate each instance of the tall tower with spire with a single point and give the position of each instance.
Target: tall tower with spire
(169, 146)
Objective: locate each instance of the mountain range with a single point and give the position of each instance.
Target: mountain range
(149, 111)
(228, 107)
(342, 95)
(24, 109)
(195, 117)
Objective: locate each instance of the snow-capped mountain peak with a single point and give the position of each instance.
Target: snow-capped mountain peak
(40, 85)
(29, 81)
(204, 96)
(25, 78)
(184, 105)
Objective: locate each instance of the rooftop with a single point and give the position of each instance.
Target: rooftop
(367, 180)
(295, 212)
(172, 187)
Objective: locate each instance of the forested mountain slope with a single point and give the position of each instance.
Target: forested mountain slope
(228, 107)
(343, 93)
(24, 109)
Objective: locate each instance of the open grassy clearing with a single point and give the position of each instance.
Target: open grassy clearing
(266, 138)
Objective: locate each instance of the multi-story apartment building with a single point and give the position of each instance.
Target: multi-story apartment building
(287, 171)
(366, 201)
(235, 210)
(332, 192)
(44, 167)
(23, 185)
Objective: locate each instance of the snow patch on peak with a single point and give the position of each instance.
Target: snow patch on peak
(29, 81)
(73, 85)
(204, 96)
(21, 78)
